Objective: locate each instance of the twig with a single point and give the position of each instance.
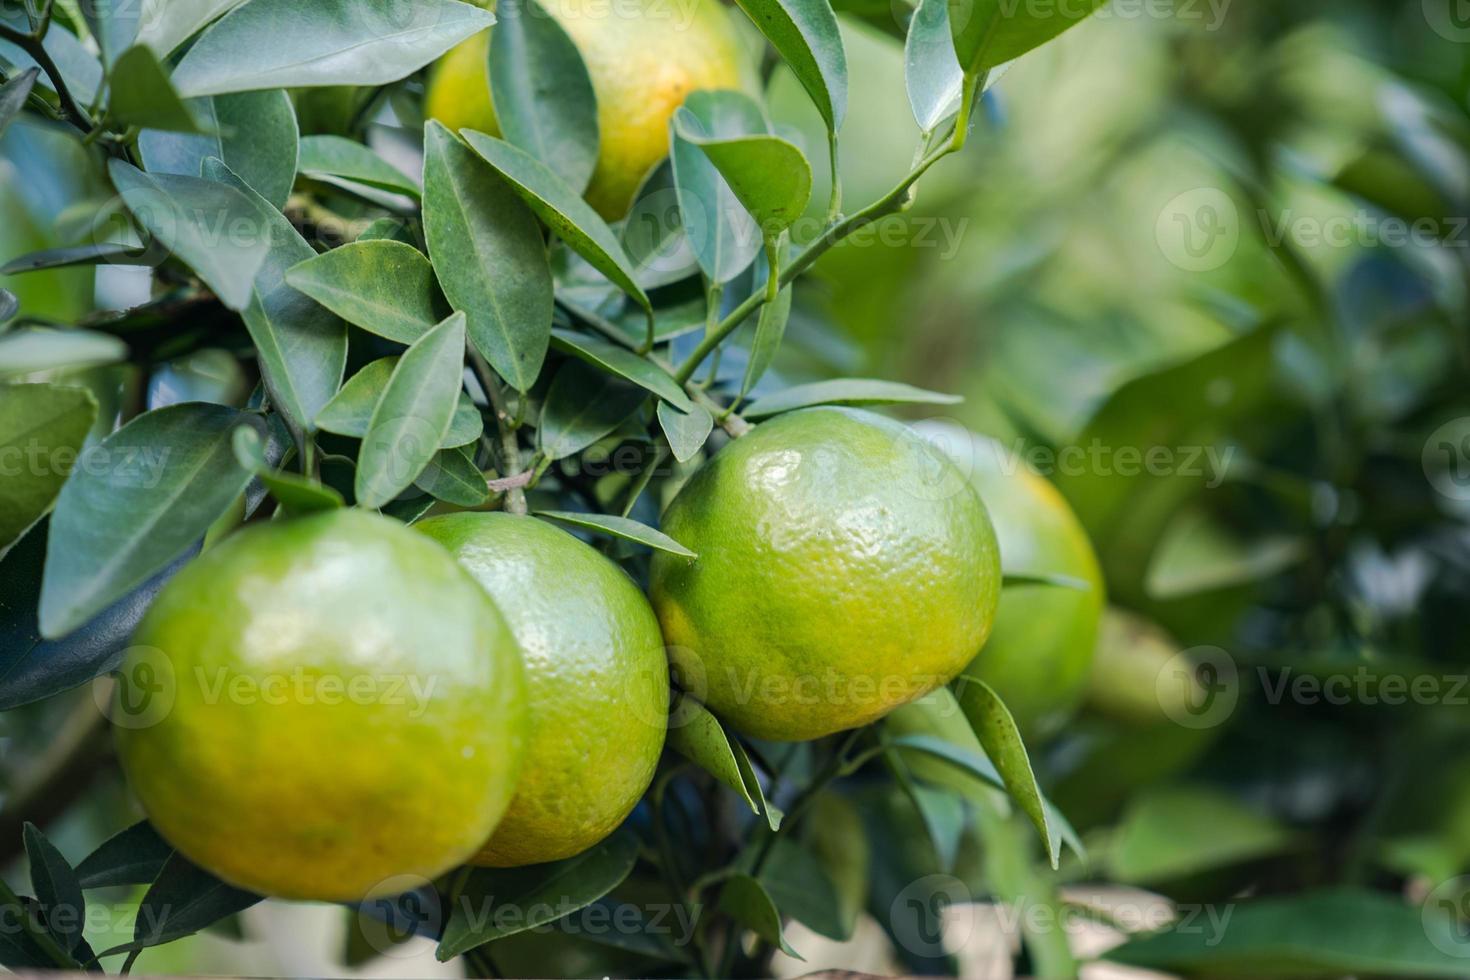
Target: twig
(31, 44)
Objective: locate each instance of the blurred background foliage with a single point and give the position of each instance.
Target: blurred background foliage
(1042, 275)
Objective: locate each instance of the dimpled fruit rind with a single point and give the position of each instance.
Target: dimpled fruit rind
(597, 678)
(341, 706)
(845, 567)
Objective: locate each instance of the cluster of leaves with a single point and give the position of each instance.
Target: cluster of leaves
(430, 318)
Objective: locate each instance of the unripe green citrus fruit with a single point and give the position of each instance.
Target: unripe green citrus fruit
(337, 704)
(1040, 652)
(643, 57)
(845, 568)
(597, 677)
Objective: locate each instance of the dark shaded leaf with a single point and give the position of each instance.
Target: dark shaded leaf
(140, 94)
(184, 899)
(582, 406)
(100, 253)
(453, 477)
(42, 427)
(296, 493)
(746, 901)
(129, 857)
(57, 889)
(625, 364)
(13, 95)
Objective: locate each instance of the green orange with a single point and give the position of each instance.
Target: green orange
(1040, 652)
(597, 677)
(319, 707)
(845, 568)
(643, 57)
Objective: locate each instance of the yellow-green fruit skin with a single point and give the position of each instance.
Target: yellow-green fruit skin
(643, 57)
(1040, 653)
(596, 673)
(342, 706)
(836, 577)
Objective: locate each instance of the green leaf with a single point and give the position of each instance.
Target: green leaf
(624, 363)
(301, 346)
(542, 93)
(130, 857)
(489, 257)
(184, 899)
(136, 501)
(13, 95)
(413, 415)
(296, 493)
(96, 253)
(686, 431)
(1338, 932)
(699, 737)
(932, 72)
(620, 527)
(254, 133)
(387, 229)
(42, 429)
(1015, 879)
(801, 888)
(845, 391)
(114, 26)
(653, 232)
(805, 34)
(1170, 832)
(465, 426)
(769, 176)
(720, 231)
(748, 903)
(338, 160)
(284, 44)
(563, 211)
(770, 330)
(499, 902)
(28, 351)
(1045, 580)
(57, 889)
(1197, 554)
(988, 33)
(140, 94)
(80, 69)
(184, 19)
(1001, 739)
(582, 406)
(383, 286)
(452, 476)
(186, 213)
(351, 409)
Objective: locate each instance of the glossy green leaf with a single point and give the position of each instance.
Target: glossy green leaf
(42, 429)
(720, 231)
(466, 425)
(284, 44)
(413, 415)
(129, 857)
(624, 363)
(582, 406)
(301, 345)
(79, 67)
(184, 899)
(747, 902)
(296, 493)
(620, 527)
(336, 159)
(388, 229)
(699, 737)
(140, 94)
(13, 95)
(769, 176)
(143, 496)
(177, 21)
(185, 214)
(57, 889)
(254, 133)
(489, 257)
(770, 331)
(988, 33)
(98, 253)
(534, 895)
(653, 232)
(351, 409)
(385, 287)
(932, 72)
(452, 476)
(686, 431)
(563, 211)
(1338, 932)
(805, 34)
(543, 96)
(846, 391)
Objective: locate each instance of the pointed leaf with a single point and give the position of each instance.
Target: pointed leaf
(42, 429)
(337, 158)
(686, 431)
(582, 406)
(769, 176)
(351, 409)
(805, 34)
(620, 527)
(746, 901)
(296, 493)
(413, 415)
(653, 233)
(846, 391)
(94, 253)
(489, 257)
(186, 215)
(499, 902)
(720, 231)
(130, 857)
(140, 94)
(988, 33)
(931, 70)
(700, 738)
(452, 476)
(802, 889)
(625, 363)
(383, 286)
(284, 44)
(172, 24)
(57, 889)
(183, 900)
(770, 330)
(254, 133)
(13, 95)
(563, 211)
(543, 96)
